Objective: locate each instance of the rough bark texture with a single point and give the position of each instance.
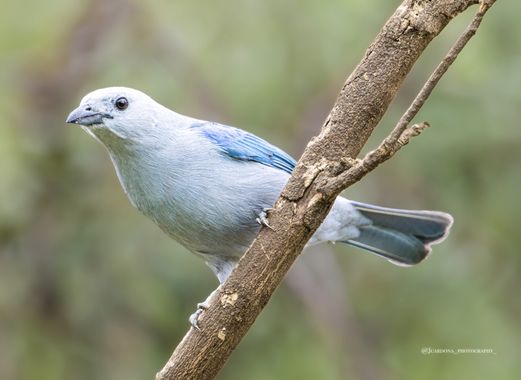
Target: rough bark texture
(317, 180)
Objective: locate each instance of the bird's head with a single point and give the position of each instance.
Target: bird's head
(117, 115)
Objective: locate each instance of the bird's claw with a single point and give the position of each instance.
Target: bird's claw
(194, 318)
(263, 218)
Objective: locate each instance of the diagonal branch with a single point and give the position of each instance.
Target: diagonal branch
(325, 169)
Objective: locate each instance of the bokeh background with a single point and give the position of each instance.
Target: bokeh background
(90, 289)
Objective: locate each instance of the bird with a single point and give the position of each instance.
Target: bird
(210, 186)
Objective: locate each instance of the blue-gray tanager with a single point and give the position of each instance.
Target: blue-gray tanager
(208, 185)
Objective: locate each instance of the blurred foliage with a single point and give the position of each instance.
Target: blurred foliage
(90, 289)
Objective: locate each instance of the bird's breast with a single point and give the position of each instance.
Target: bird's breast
(207, 203)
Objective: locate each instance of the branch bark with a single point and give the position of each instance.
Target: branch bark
(327, 167)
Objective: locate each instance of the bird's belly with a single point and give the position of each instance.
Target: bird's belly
(209, 209)
(205, 225)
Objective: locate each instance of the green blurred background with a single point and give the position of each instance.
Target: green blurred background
(90, 289)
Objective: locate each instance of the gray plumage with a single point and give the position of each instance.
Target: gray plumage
(205, 184)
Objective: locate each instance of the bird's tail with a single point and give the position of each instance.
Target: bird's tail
(404, 237)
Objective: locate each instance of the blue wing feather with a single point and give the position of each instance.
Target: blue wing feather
(241, 145)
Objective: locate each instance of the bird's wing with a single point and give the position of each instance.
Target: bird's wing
(245, 146)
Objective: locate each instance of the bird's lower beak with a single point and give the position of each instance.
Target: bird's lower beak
(86, 116)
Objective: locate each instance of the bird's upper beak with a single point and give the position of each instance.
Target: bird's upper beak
(85, 115)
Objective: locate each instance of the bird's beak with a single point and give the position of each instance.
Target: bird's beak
(84, 115)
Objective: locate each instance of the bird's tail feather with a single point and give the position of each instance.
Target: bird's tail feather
(404, 237)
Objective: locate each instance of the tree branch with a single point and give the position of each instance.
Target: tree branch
(401, 135)
(325, 169)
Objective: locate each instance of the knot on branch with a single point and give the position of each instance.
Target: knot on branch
(228, 299)
(411, 132)
(303, 177)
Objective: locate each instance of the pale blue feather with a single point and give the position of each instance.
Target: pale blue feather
(241, 145)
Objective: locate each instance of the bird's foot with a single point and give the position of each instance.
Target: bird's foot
(194, 318)
(201, 307)
(263, 218)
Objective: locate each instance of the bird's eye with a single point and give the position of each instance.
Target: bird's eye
(121, 103)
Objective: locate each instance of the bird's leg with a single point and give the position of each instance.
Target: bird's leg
(201, 307)
(263, 218)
